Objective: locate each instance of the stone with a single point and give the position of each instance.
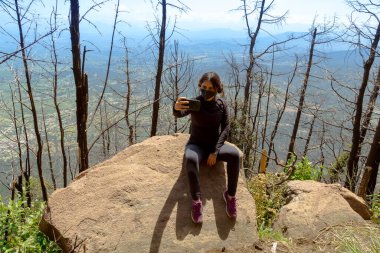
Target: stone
(138, 201)
(314, 207)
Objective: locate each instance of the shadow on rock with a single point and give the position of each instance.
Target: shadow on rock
(213, 184)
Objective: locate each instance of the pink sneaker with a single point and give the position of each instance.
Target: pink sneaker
(196, 211)
(230, 205)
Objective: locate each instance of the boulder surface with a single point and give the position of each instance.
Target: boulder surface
(138, 201)
(314, 207)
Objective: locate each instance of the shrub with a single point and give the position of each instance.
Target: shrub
(21, 224)
(375, 207)
(305, 170)
(268, 197)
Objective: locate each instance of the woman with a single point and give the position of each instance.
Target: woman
(209, 130)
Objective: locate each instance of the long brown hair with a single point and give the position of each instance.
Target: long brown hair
(215, 81)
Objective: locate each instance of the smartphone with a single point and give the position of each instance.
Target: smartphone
(194, 104)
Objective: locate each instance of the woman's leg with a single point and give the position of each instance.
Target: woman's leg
(193, 156)
(230, 154)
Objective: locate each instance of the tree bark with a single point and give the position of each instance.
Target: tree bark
(369, 179)
(48, 148)
(352, 164)
(54, 58)
(309, 135)
(249, 71)
(33, 108)
(160, 66)
(81, 85)
(302, 97)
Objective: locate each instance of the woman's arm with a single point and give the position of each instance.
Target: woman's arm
(180, 114)
(180, 107)
(225, 128)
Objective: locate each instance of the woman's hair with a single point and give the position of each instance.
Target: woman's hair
(214, 79)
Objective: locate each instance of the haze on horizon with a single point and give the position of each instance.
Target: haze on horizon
(204, 15)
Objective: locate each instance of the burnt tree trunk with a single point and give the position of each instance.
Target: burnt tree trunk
(81, 87)
(249, 71)
(160, 66)
(128, 97)
(54, 59)
(309, 135)
(32, 104)
(48, 148)
(368, 183)
(353, 159)
(302, 98)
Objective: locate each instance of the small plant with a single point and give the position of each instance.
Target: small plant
(305, 170)
(269, 233)
(269, 198)
(375, 207)
(19, 228)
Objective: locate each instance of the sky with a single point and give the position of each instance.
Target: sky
(211, 14)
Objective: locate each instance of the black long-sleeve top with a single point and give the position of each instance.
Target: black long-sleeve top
(210, 125)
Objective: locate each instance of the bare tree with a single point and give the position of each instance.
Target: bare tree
(20, 19)
(128, 95)
(302, 96)
(262, 11)
(54, 60)
(178, 77)
(160, 61)
(369, 179)
(48, 148)
(352, 163)
(281, 110)
(81, 85)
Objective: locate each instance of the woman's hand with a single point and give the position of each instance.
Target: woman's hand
(211, 160)
(181, 104)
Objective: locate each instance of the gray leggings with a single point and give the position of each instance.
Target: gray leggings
(194, 154)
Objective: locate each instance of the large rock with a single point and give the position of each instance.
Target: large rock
(138, 201)
(313, 207)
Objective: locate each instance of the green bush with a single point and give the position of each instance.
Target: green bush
(305, 170)
(21, 224)
(375, 207)
(269, 198)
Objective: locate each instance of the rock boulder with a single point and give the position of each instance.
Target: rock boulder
(138, 201)
(313, 207)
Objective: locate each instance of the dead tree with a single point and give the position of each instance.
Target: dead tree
(54, 60)
(306, 149)
(353, 160)
(160, 61)
(178, 77)
(235, 84)
(264, 130)
(302, 96)
(48, 148)
(160, 66)
(128, 95)
(264, 17)
(20, 19)
(81, 87)
(109, 60)
(369, 179)
(27, 171)
(281, 110)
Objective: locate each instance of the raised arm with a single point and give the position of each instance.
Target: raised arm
(180, 107)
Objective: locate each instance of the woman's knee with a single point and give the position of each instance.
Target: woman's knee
(191, 159)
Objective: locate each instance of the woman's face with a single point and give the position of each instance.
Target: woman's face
(207, 85)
